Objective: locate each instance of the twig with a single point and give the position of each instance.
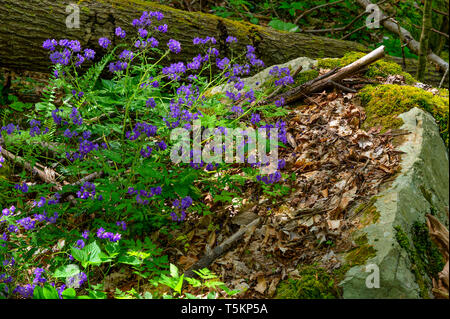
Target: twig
(443, 78)
(209, 257)
(361, 28)
(434, 30)
(46, 175)
(343, 88)
(315, 8)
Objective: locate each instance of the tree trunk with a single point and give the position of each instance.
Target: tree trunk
(25, 24)
(424, 40)
(442, 39)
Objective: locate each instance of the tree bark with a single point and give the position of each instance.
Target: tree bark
(25, 24)
(424, 40)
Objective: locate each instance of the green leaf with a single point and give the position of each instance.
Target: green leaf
(283, 26)
(45, 292)
(129, 260)
(179, 284)
(66, 271)
(69, 293)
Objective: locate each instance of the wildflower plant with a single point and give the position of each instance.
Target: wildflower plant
(110, 138)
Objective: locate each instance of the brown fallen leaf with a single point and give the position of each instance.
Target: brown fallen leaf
(261, 285)
(273, 287)
(187, 261)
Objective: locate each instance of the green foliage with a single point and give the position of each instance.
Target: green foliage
(384, 102)
(426, 260)
(208, 281)
(314, 283)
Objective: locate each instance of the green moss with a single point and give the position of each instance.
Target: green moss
(359, 255)
(425, 258)
(314, 283)
(305, 76)
(378, 68)
(369, 212)
(384, 102)
(427, 251)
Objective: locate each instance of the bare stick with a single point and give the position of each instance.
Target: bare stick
(208, 258)
(315, 8)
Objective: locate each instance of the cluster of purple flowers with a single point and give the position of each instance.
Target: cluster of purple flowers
(118, 66)
(280, 102)
(252, 57)
(69, 47)
(87, 190)
(35, 129)
(44, 217)
(102, 234)
(151, 103)
(185, 203)
(7, 212)
(174, 46)
(143, 43)
(269, 179)
(122, 225)
(120, 33)
(10, 128)
(56, 118)
(140, 128)
(230, 39)
(104, 42)
(145, 19)
(126, 55)
(223, 63)
(84, 148)
(198, 40)
(282, 75)
(75, 116)
(23, 188)
(143, 193)
(146, 151)
(256, 118)
(174, 71)
(161, 145)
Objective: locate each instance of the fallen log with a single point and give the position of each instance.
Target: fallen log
(27, 23)
(331, 78)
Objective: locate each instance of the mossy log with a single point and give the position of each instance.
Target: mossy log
(27, 23)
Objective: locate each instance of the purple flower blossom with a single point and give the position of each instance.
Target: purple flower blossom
(256, 118)
(279, 102)
(150, 103)
(174, 46)
(231, 39)
(104, 42)
(143, 33)
(120, 33)
(89, 54)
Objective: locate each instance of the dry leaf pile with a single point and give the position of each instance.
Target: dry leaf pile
(338, 165)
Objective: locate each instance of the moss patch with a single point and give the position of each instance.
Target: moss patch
(360, 254)
(314, 283)
(368, 211)
(425, 258)
(384, 102)
(378, 68)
